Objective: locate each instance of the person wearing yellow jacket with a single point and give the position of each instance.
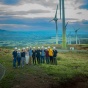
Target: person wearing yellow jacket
(50, 54)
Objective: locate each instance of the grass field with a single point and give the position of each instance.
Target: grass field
(71, 72)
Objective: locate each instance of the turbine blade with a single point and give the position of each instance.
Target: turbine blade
(78, 29)
(66, 24)
(56, 12)
(51, 20)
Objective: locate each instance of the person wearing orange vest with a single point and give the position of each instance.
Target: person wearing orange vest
(50, 54)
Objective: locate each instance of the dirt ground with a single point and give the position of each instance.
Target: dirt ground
(41, 80)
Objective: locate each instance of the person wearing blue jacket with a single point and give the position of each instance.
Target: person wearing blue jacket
(42, 55)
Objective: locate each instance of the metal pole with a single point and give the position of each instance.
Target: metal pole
(56, 33)
(76, 37)
(63, 26)
(70, 39)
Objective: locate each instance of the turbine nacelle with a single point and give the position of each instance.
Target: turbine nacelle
(55, 19)
(77, 30)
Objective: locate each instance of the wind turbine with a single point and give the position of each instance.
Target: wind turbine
(62, 10)
(56, 19)
(76, 30)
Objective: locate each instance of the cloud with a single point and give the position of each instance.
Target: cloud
(14, 27)
(25, 23)
(45, 3)
(38, 11)
(23, 12)
(79, 13)
(35, 14)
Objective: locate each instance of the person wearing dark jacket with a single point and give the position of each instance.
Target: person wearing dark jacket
(54, 56)
(14, 53)
(38, 51)
(34, 55)
(19, 57)
(23, 57)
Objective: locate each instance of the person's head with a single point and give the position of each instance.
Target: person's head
(33, 48)
(38, 48)
(54, 48)
(45, 48)
(18, 50)
(23, 49)
(42, 47)
(15, 48)
(48, 47)
(27, 48)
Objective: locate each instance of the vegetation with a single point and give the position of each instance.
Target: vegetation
(70, 65)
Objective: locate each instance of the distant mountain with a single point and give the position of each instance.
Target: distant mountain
(1, 30)
(4, 31)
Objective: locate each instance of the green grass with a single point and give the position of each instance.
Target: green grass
(70, 64)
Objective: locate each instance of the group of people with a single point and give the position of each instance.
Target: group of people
(34, 56)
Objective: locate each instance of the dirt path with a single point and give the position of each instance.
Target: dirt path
(39, 79)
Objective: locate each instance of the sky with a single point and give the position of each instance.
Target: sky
(31, 15)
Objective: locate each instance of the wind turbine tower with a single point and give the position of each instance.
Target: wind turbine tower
(62, 10)
(69, 38)
(56, 19)
(76, 31)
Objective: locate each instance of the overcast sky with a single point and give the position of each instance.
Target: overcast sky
(35, 14)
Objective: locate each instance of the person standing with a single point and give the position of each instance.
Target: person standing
(50, 54)
(38, 51)
(27, 56)
(47, 56)
(14, 53)
(18, 57)
(42, 55)
(34, 55)
(23, 57)
(54, 56)
(30, 56)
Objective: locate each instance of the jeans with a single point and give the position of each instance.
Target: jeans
(55, 60)
(22, 61)
(30, 60)
(51, 59)
(38, 59)
(42, 59)
(47, 60)
(14, 62)
(19, 60)
(34, 60)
